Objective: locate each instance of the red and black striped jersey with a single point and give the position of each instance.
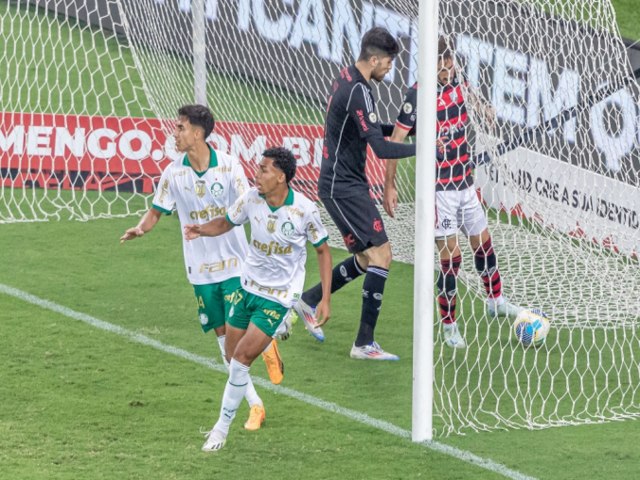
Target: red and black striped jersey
(453, 169)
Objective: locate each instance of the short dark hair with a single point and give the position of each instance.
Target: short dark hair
(446, 47)
(198, 115)
(378, 41)
(283, 159)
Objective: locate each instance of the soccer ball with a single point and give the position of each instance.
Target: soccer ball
(531, 327)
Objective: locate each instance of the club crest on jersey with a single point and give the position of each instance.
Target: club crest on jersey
(407, 108)
(287, 229)
(373, 118)
(454, 96)
(200, 188)
(216, 189)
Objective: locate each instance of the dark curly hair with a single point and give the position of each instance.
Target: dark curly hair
(198, 115)
(283, 159)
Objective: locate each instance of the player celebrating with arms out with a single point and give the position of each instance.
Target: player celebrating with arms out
(457, 204)
(282, 221)
(352, 124)
(201, 186)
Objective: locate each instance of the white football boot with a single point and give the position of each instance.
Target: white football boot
(501, 307)
(308, 316)
(215, 441)
(452, 336)
(372, 352)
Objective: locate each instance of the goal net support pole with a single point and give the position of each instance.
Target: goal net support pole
(422, 404)
(199, 52)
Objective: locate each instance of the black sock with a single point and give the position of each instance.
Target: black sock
(372, 290)
(342, 274)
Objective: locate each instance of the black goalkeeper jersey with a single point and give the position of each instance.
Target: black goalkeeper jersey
(351, 124)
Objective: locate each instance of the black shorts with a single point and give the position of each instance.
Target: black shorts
(358, 220)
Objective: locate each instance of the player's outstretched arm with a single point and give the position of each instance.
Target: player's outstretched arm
(215, 227)
(390, 194)
(147, 222)
(323, 309)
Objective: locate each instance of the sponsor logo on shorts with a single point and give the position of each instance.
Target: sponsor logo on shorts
(271, 313)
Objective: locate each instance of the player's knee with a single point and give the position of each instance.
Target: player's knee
(243, 357)
(381, 255)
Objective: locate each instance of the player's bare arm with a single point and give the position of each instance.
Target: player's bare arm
(215, 227)
(147, 222)
(325, 264)
(390, 195)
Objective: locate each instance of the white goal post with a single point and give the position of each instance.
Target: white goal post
(92, 88)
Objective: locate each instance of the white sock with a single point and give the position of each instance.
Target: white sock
(496, 301)
(234, 392)
(221, 340)
(252, 396)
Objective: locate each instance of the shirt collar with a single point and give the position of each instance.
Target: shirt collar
(213, 161)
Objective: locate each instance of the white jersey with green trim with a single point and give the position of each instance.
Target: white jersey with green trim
(199, 197)
(275, 266)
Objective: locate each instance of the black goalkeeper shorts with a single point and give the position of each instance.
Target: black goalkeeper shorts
(358, 220)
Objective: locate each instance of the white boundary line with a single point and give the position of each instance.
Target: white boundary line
(360, 417)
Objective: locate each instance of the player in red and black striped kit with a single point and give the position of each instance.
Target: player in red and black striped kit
(457, 204)
(352, 124)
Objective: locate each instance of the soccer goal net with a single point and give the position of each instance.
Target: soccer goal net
(91, 89)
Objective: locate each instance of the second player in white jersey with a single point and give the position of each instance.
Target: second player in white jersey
(199, 197)
(275, 265)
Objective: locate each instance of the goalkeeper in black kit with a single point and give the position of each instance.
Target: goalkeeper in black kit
(352, 124)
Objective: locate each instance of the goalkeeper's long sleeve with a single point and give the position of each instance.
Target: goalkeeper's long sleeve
(391, 150)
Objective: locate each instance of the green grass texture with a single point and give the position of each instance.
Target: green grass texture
(80, 402)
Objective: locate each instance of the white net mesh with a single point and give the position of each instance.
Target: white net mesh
(562, 196)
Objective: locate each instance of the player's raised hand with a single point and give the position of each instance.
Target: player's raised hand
(131, 233)
(191, 231)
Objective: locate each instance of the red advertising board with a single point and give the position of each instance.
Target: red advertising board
(105, 153)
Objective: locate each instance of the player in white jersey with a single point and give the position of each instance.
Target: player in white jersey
(200, 186)
(282, 221)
